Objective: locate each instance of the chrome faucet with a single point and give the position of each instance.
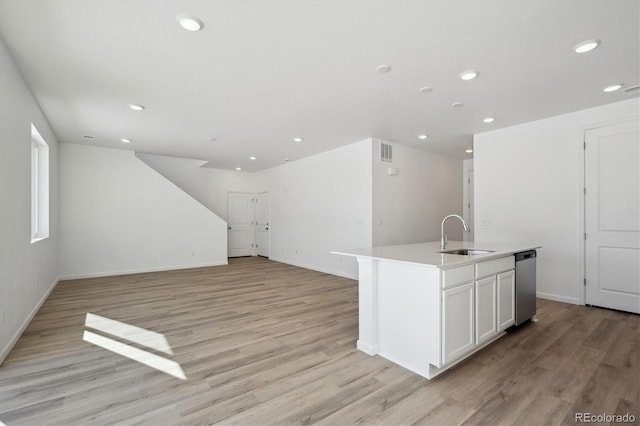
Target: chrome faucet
(443, 237)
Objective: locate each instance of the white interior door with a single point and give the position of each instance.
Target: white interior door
(612, 216)
(240, 224)
(262, 223)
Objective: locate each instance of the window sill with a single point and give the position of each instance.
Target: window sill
(36, 239)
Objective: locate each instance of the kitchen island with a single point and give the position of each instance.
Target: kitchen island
(427, 310)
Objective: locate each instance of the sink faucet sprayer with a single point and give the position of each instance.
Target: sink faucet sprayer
(443, 237)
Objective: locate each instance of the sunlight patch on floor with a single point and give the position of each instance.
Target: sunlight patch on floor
(138, 335)
(134, 334)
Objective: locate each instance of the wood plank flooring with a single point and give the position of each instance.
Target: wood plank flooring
(262, 342)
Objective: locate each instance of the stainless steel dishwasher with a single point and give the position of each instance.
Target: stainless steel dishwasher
(525, 286)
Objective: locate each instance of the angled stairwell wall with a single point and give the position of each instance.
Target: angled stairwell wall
(207, 185)
(317, 204)
(117, 216)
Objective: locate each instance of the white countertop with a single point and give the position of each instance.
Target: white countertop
(427, 254)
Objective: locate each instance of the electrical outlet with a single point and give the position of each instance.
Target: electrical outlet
(485, 222)
(193, 253)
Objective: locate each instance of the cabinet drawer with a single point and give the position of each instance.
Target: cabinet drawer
(459, 275)
(491, 267)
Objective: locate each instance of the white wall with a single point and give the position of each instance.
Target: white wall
(117, 215)
(410, 206)
(528, 183)
(208, 186)
(322, 203)
(334, 200)
(27, 271)
(317, 204)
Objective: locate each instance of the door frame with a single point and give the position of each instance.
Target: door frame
(255, 213)
(582, 217)
(470, 201)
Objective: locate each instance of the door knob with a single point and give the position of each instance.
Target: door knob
(229, 228)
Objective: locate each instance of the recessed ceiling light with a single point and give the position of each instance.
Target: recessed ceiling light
(468, 151)
(425, 89)
(125, 140)
(383, 69)
(457, 104)
(423, 137)
(189, 22)
(88, 137)
(253, 158)
(612, 88)
(586, 46)
(489, 120)
(469, 75)
(297, 139)
(238, 168)
(136, 107)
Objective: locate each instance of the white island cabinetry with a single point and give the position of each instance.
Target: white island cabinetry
(427, 310)
(506, 299)
(486, 309)
(458, 297)
(474, 312)
(457, 322)
(495, 297)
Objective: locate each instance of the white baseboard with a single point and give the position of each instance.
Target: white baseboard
(555, 297)
(141, 271)
(367, 348)
(315, 268)
(4, 352)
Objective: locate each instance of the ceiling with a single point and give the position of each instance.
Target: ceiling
(261, 73)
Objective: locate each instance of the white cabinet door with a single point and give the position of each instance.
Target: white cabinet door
(506, 299)
(457, 322)
(486, 322)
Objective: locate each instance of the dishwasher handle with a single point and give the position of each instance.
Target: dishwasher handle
(525, 255)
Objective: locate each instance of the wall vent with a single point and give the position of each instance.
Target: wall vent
(632, 89)
(386, 152)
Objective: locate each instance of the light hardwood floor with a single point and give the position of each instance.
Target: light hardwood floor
(266, 343)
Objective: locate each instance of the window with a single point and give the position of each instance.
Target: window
(39, 187)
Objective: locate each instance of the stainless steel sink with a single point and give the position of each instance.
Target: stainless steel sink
(466, 252)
